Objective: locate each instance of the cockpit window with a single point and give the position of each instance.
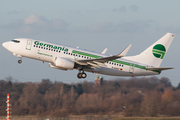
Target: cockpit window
(16, 41)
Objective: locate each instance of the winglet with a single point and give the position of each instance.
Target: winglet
(124, 52)
(104, 52)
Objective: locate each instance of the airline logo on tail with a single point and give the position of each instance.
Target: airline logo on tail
(159, 51)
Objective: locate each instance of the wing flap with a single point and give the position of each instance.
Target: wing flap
(95, 65)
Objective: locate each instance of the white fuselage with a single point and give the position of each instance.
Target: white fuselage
(45, 51)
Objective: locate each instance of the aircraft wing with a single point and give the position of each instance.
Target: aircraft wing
(100, 61)
(159, 68)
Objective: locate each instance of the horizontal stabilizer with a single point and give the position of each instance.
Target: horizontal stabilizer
(159, 68)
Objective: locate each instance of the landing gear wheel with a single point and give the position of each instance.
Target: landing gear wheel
(19, 61)
(79, 75)
(83, 75)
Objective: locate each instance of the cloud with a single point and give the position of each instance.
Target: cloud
(33, 19)
(37, 24)
(126, 27)
(134, 8)
(137, 26)
(101, 27)
(120, 10)
(59, 24)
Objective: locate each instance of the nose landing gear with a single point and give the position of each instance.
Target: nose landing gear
(19, 56)
(19, 61)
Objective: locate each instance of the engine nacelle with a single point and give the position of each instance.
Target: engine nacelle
(63, 63)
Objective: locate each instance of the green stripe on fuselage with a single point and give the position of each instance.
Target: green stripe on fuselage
(86, 54)
(115, 61)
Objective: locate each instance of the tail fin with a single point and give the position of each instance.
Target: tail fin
(154, 54)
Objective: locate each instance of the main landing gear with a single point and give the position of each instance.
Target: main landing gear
(81, 74)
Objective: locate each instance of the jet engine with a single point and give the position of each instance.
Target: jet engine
(63, 63)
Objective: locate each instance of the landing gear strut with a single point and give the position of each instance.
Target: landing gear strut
(19, 56)
(81, 74)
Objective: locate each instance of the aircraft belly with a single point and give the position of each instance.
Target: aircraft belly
(115, 72)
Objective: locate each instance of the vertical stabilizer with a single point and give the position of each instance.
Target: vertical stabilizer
(154, 54)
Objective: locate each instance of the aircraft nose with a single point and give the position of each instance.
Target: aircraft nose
(5, 45)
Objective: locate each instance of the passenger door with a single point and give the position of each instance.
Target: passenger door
(28, 44)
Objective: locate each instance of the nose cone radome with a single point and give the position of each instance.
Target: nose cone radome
(5, 45)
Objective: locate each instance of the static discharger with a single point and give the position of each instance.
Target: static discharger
(8, 108)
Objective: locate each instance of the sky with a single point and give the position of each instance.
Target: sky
(90, 24)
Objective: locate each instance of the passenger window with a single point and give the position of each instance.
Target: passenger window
(109, 62)
(84, 56)
(39, 47)
(87, 57)
(34, 45)
(114, 63)
(46, 48)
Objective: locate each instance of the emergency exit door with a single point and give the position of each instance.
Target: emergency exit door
(131, 68)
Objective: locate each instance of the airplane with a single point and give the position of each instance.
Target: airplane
(69, 58)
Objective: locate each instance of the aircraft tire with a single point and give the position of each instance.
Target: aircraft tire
(84, 75)
(19, 61)
(79, 75)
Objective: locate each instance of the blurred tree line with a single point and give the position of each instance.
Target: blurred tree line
(133, 97)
